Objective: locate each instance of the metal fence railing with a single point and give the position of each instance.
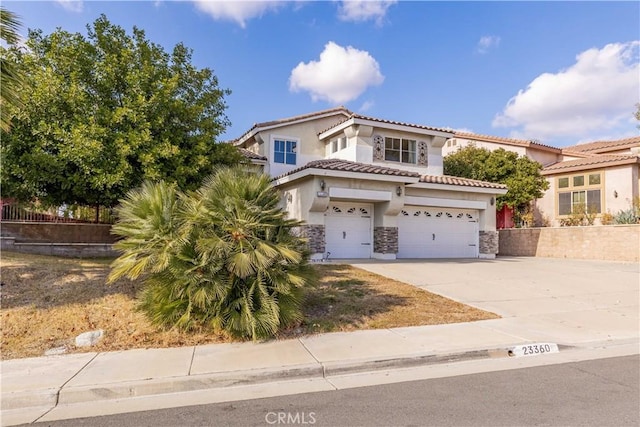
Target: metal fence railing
(32, 212)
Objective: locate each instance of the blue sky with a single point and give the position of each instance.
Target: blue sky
(558, 72)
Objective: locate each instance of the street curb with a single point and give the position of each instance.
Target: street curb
(123, 390)
(149, 387)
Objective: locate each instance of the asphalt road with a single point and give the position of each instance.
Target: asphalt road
(604, 392)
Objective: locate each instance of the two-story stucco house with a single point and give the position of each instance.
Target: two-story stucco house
(602, 176)
(373, 188)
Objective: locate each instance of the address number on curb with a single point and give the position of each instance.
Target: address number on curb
(533, 349)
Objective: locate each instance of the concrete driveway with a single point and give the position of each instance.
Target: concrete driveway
(561, 300)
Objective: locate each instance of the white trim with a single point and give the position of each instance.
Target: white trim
(356, 194)
(272, 150)
(344, 174)
(463, 188)
(384, 125)
(444, 203)
(377, 255)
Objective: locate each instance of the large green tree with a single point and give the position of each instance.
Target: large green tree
(106, 111)
(10, 78)
(520, 174)
(224, 256)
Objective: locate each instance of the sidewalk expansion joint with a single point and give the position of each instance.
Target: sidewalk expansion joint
(62, 386)
(193, 355)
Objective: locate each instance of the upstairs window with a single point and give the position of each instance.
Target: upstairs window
(284, 151)
(400, 150)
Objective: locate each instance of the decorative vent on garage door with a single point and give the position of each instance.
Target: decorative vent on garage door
(346, 210)
(453, 214)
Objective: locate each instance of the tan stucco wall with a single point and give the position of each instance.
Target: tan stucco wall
(610, 243)
(621, 180)
(309, 148)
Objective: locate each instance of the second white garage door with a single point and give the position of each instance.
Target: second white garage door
(437, 233)
(348, 230)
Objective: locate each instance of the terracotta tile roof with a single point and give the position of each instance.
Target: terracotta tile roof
(592, 162)
(293, 119)
(507, 141)
(251, 155)
(391, 122)
(347, 166)
(604, 146)
(454, 180)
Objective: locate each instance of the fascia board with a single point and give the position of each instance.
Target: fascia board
(444, 203)
(403, 128)
(336, 129)
(589, 167)
(278, 125)
(462, 188)
(345, 174)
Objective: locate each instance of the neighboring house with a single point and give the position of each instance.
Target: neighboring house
(372, 188)
(600, 176)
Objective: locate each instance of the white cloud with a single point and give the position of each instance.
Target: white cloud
(340, 75)
(238, 11)
(71, 5)
(595, 96)
(366, 105)
(487, 42)
(364, 10)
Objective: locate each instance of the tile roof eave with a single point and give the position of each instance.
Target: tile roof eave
(602, 147)
(257, 127)
(508, 141)
(358, 117)
(597, 163)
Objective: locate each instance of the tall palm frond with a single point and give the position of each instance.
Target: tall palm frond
(10, 78)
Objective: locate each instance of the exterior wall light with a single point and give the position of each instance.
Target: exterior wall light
(322, 184)
(615, 194)
(492, 200)
(399, 190)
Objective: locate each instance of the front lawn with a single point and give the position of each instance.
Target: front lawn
(48, 301)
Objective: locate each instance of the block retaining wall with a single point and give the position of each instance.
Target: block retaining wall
(607, 242)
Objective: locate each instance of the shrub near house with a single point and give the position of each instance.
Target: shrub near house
(223, 257)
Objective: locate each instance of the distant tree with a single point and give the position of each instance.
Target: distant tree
(637, 114)
(105, 112)
(10, 78)
(224, 257)
(520, 174)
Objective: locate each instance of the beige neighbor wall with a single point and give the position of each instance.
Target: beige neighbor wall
(609, 243)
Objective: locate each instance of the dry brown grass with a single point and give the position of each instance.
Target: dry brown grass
(48, 301)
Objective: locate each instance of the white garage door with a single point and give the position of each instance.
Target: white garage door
(348, 230)
(437, 233)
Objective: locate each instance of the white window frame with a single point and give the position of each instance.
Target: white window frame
(401, 152)
(287, 152)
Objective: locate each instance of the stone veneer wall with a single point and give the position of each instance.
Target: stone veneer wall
(605, 242)
(489, 242)
(385, 240)
(315, 234)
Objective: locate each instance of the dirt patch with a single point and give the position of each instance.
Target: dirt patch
(48, 301)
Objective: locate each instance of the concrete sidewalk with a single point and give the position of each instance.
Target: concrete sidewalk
(577, 304)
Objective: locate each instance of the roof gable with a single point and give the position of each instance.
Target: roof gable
(258, 127)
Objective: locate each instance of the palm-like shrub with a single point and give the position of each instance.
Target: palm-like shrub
(224, 256)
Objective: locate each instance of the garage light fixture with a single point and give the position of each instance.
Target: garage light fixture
(492, 201)
(399, 190)
(322, 184)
